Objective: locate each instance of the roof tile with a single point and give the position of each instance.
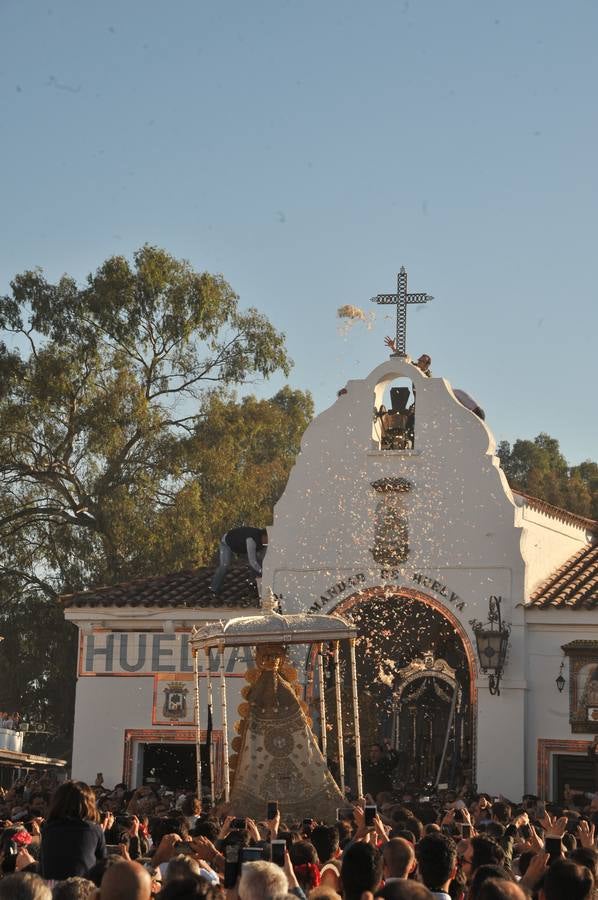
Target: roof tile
(574, 585)
(185, 589)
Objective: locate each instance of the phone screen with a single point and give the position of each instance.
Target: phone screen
(231, 865)
(272, 809)
(553, 846)
(278, 848)
(370, 814)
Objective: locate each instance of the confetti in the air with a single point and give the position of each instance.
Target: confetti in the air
(352, 314)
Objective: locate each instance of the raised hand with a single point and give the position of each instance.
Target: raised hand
(586, 834)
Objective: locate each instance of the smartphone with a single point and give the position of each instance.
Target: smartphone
(231, 865)
(369, 815)
(272, 809)
(238, 823)
(287, 837)
(185, 847)
(465, 830)
(278, 850)
(113, 850)
(424, 799)
(251, 854)
(554, 847)
(342, 815)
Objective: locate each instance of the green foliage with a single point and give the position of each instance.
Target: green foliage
(539, 468)
(123, 451)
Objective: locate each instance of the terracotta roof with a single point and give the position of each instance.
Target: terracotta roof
(556, 512)
(573, 586)
(188, 589)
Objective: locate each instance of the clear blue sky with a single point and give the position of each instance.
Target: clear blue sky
(308, 149)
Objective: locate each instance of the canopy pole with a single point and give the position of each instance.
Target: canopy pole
(339, 720)
(197, 725)
(225, 766)
(356, 718)
(323, 735)
(212, 747)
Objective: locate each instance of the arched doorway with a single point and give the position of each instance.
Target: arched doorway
(415, 669)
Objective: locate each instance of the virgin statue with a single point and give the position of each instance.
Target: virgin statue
(277, 755)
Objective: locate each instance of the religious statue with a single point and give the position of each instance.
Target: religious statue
(277, 755)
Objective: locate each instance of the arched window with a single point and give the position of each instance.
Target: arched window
(394, 415)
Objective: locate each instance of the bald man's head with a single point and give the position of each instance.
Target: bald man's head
(126, 881)
(399, 858)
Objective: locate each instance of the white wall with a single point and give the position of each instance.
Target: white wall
(462, 532)
(547, 709)
(106, 707)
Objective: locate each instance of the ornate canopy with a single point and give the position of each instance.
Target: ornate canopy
(271, 627)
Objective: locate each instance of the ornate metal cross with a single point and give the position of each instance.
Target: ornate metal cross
(401, 299)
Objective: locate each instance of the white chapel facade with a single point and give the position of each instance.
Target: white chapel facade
(410, 537)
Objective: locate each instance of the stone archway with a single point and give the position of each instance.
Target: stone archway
(399, 626)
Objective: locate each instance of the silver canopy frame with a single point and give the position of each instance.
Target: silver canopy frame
(271, 627)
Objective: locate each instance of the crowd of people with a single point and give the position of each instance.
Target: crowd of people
(12, 721)
(71, 841)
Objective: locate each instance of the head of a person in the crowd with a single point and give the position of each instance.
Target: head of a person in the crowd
(361, 870)
(495, 830)
(376, 753)
(405, 890)
(24, 886)
(483, 874)
(171, 825)
(205, 828)
(189, 888)
(480, 851)
(398, 858)
(75, 888)
(326, 841)
(437, 861)
(586, 856)
(191, 806)
(405, 833)
(126, 881)
(304, 858)
(408, 824)
(180, 867)
(324, 892)
(501, 812)
(262, 879)
(566, 880)
(345, 832)
(501, 889)
(156, 875)
(73, 800)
